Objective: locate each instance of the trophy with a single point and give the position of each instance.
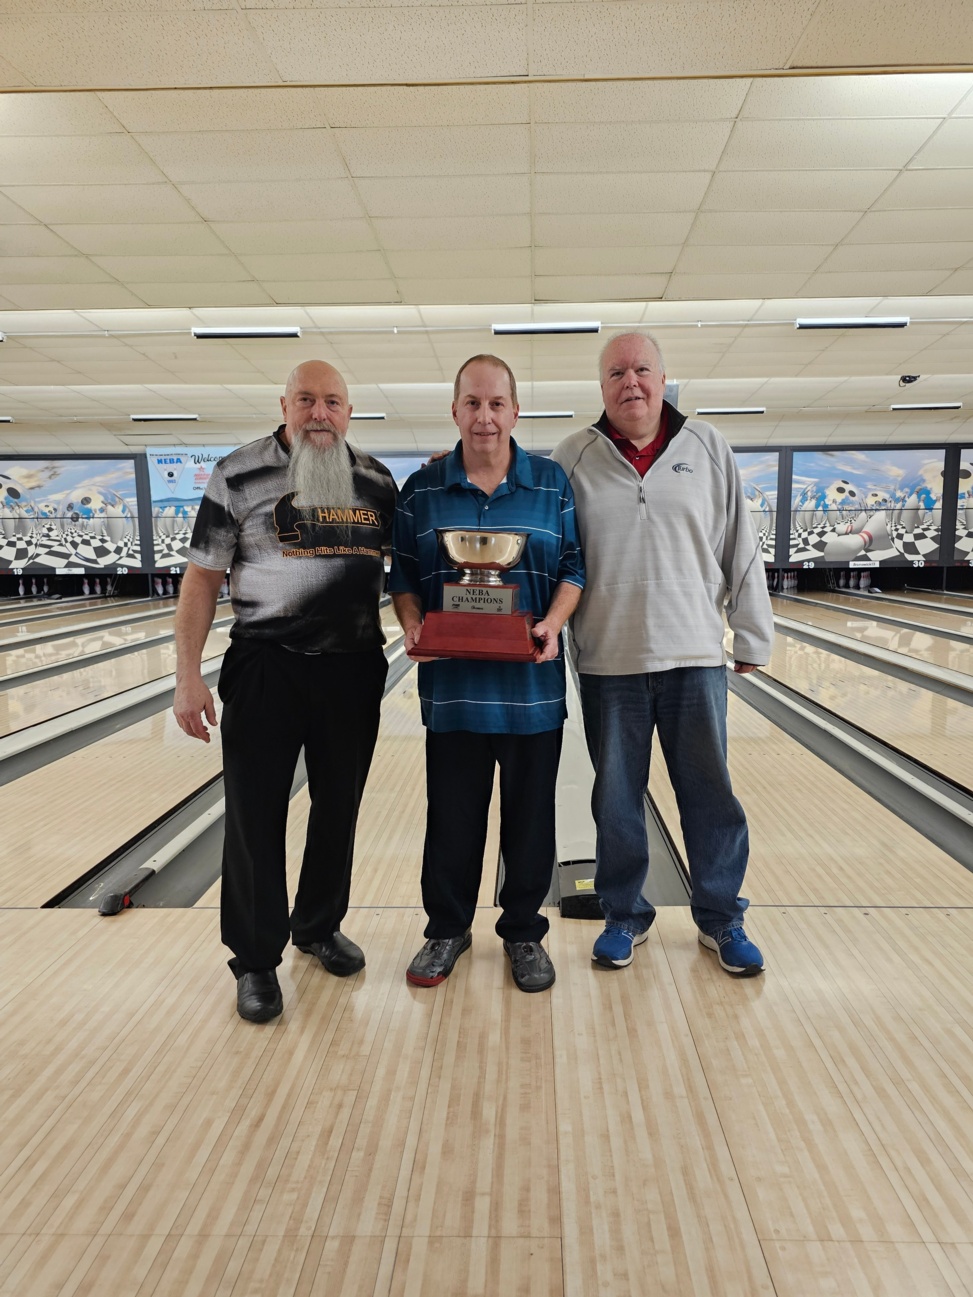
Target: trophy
(479, 619)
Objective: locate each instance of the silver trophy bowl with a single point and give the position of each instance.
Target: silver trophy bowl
(481, 556)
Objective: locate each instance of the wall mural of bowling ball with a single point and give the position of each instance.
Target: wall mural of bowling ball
(58, 514)
(866, 507)
(964, 509)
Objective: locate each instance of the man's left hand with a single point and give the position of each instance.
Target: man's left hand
(546, 635)
(743, 668)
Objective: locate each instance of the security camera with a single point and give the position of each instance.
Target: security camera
(906, 379)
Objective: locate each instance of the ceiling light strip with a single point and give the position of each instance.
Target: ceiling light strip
(164, 418)
(929, 405)
(232, 332)
(733, 409)
(855, 322)
(570, 326)
(546, 414)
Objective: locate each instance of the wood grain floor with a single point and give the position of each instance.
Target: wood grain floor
(660, 1130)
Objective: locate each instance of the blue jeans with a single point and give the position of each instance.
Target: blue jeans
(688, 707)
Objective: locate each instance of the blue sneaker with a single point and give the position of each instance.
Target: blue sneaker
(735, 951)
(613, 949)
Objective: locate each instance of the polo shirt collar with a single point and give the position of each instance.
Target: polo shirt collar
(520, 472)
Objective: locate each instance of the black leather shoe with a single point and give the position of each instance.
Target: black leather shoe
(339, 955)
(258, 997)
(530, 964)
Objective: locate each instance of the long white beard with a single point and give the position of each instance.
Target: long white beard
(320, 475)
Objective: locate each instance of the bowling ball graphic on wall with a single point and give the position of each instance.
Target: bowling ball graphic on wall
(98, 510)
(824, 504)
(18, 517)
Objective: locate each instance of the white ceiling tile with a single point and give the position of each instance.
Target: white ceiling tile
(183, 239)
(686, 286)
(455, 233)
(586, 288)
(670, 313)
(951, 146)
(78, 297)
(606, 261)
(70, 204)
(762, 228)
(174, 270)
(638, 101)
(856, 283)
(367, 45)
(812, 144)
(464, 290)
(441, 196)
(877, 33)
(960, 282)
(679, 191)
(900, 256)
(50, 270)
(11, 213)
(707, 259)
(317, 265)
(795, 191)
(74, 159)
(928, 188)
(336, 318)
(787, 308)
(385, 106)
(595, 146)
(259, 201)
(615, 39)
(32, 241)
(256, 237)
(506, 263)
(931, 94)
(436, 150)
(273, 156)
(263, 108)
(10, 77)
(947, 226)
(128, 49)
(665, 229)
(335, 290)
(55, 114)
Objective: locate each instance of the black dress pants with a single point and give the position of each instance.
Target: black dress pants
(459, 784)
(275, 703)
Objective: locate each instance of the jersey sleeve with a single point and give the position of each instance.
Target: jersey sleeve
(216, 531)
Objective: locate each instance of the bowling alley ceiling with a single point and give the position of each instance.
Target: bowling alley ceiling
(394, 179)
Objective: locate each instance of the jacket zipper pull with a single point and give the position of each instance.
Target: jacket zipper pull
(642, 513)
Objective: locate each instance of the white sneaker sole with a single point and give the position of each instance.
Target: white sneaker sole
(747, 970)
(620, 963)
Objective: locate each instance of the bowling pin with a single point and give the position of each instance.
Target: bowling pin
(97, 585)
(158, 587)
(85, 587)
(852, 528)
(911, 512)
(20, 588)
(842, 579)
(169, 585)
(45, 585)
(837, 548)
(875, 533)
(33, 585)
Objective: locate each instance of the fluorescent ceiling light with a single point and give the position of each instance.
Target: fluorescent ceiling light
(856, 322)
(6, 418)
(271, 331)
(583, 326)
(546, 414)
(3, 337)
(930, 405)
(733, 409)
(368, 416)
(164, 418)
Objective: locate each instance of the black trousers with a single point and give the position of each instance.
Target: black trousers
(459, 784)
(275, 703)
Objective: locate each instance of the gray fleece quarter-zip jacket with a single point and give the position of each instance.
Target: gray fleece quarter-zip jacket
(665, 554)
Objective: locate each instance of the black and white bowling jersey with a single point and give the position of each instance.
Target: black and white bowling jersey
(304, 576)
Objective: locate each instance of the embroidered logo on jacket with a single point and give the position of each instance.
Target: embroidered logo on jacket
(681, 468)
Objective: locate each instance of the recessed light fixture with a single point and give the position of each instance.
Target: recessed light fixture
(576, 326)
(164, 418)
(368, 416)
(271, 331)
(856, 322)
(930, 405)
(733, 409)
(547, 414)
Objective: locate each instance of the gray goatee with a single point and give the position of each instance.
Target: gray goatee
(320, 475)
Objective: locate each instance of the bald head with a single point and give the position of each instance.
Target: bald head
(315, 404)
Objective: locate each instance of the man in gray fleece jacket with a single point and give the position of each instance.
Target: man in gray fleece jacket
(668, 544)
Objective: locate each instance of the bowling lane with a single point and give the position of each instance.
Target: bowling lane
(72, 621)
(947, 621)
(32, 703)
(68, 646)
(816, 838)
(935, 730)
(14, 610)
(856, 624)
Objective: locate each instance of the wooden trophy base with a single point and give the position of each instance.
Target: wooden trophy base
(477, 636)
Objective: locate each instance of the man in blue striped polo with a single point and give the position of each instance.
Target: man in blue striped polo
(482, 714)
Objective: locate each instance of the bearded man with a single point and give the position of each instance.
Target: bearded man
(301, 519)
